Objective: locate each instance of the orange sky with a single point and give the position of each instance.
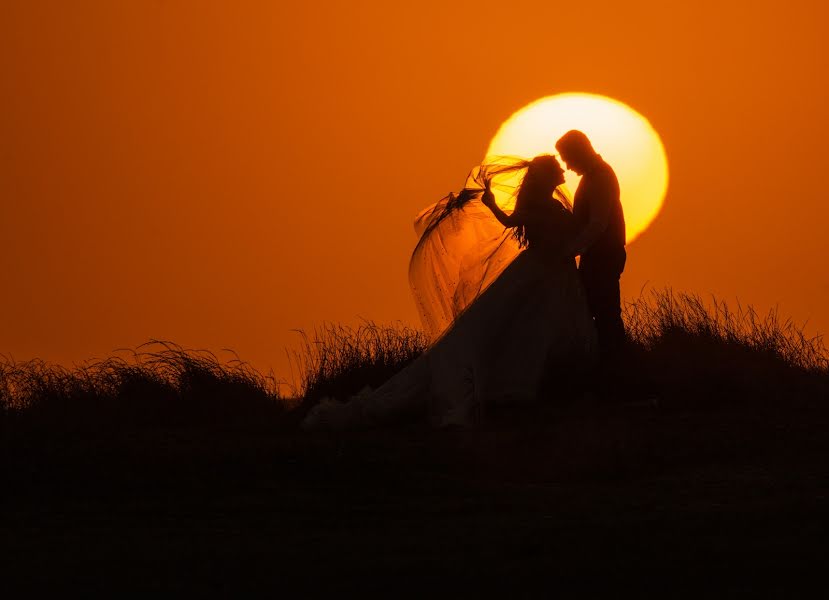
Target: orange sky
(219, 173)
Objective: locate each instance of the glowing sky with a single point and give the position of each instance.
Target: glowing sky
(220, 173)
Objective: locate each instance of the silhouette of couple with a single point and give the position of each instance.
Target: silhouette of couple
(509, 314)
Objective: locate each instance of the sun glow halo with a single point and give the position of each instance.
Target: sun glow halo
(623, 137)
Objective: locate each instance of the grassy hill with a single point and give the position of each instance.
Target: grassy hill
(171, 471)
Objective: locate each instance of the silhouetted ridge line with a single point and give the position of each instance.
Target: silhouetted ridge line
(157, 383)
(663, 318)
(679, 345)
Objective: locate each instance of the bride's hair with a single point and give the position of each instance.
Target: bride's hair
(537, 184)
(540, 181)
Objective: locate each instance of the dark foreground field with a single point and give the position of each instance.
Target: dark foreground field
(651, 498)
(702, 469)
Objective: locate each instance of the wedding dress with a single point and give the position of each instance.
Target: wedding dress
(501, 317)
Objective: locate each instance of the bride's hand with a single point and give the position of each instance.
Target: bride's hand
(488, 198)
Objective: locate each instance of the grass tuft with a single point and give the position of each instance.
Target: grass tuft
(683, 344)
(680, 346)
(338, 361)
(160, 383)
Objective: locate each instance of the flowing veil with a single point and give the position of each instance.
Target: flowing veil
(495, 314)
(462, 247)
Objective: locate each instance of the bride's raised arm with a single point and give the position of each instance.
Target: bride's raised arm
(507, 220)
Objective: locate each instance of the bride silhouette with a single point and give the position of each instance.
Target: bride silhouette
(498, 295)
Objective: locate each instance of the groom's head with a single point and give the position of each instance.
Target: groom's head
(576, 151)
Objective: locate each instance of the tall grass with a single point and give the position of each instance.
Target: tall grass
(339, 361)
(158, 383)
(683, 342)
(679, 344)
(666, 317)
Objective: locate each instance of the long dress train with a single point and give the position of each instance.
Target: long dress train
(503, 319)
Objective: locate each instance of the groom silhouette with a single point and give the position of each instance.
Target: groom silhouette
(601, 238)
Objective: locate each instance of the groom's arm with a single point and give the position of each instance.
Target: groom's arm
(599, 202)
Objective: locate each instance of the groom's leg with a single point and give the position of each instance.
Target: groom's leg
(604, 299)
(609, 317)
(615, 325)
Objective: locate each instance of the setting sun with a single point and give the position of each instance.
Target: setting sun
(622, 136)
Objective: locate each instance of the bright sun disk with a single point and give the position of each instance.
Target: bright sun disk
(623, 137)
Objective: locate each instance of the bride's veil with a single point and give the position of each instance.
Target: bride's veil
(463, 248)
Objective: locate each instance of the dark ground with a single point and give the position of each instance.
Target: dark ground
(675, 499)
